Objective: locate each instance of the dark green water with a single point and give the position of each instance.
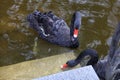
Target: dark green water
(19, 43)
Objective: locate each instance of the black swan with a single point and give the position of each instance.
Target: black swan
(54, 29)
(107, 68)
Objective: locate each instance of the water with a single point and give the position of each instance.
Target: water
(19, 43)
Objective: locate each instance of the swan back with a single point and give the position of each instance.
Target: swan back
(113, 62)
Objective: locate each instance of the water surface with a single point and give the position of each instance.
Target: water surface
(19, 43)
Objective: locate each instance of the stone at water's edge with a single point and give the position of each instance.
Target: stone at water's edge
(83, 73)
(35, 68)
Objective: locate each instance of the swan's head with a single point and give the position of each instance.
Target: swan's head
(89, 54)
(74, 29)
(69, 64)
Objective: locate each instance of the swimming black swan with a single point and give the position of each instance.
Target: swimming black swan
(107, 68)
(54, 29)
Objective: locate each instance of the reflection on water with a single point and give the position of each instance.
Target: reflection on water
(18, 42)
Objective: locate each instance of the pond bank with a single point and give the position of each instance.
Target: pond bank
(35, 68)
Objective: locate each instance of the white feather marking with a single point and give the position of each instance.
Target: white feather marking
(44, 32)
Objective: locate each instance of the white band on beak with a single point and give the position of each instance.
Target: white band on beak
(75, 36)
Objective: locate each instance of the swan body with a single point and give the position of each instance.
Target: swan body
(54, 29)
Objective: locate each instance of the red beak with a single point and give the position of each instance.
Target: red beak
(75, 33)
(64, 66)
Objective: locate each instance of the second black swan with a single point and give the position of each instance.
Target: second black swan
(107, 68)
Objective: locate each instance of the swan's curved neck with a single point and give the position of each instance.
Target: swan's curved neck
(74, 29)
(89, 54)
